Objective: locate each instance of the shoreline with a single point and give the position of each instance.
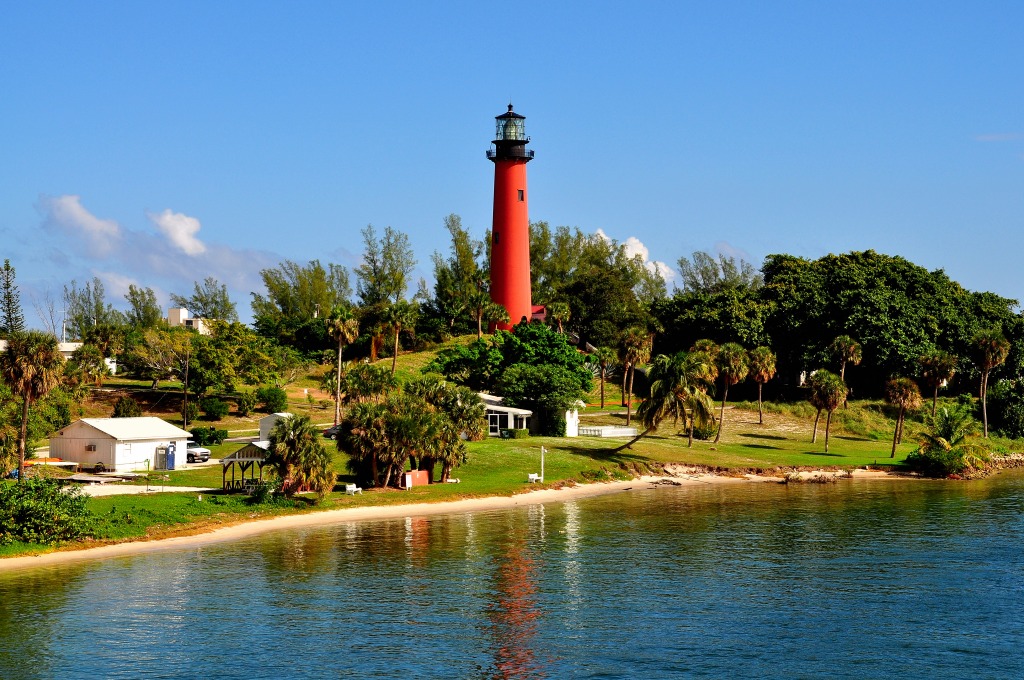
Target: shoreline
(675, 476)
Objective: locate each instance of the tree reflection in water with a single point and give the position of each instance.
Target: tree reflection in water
(514, 613)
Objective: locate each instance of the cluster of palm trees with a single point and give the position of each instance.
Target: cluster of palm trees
(421, 425)
(681, 384)
(299, 458)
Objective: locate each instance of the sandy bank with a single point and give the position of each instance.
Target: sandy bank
(677, 476)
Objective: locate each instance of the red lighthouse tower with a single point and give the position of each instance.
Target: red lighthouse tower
(510, 230)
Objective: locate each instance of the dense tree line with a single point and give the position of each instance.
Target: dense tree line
(897, 311)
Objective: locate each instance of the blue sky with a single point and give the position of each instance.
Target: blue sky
(163, 143)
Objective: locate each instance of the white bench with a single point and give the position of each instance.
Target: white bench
(533, 477)
(352, 489)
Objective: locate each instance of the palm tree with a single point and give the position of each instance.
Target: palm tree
(904, 394)
(990, 350)
(363, 435)
(603, 357)
(762, 369)
(492, 312)
(939, 368)
(732, 368)
(343, 326)
(951, 431)
(298, 457)
(400, 315)
(636, 344)
(678, 384)
(666, 381)
(31, 367)
(828, 392)
(559, 312)
(847, 351)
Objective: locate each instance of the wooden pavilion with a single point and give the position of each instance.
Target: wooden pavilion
(248, 463)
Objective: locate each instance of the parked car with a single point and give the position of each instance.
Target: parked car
(197, 454)
(332, 432)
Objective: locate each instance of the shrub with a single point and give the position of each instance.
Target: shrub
(509, 433)
(42, 511)
(214, 408)
(126, 407)
(246, 402)
(1006, 408)
(274, 399)
(705, 431)
(326, 404)
(190, 411)
(205, 436)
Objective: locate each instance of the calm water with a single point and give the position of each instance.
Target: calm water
(865, 580)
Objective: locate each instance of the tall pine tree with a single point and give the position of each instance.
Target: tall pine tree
(11, 318)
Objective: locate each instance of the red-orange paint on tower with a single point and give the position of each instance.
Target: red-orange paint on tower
(510, 229)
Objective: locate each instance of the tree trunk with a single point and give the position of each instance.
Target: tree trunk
(984, 399)
(22, 439)
(689, 442)
(935, 400)
(895, 438)
(629, 396)
(636, 439)
(625, 372)
(828, 424)
(602, 386)
(899, 424)
(760, 414)
(394, 360)
(842, 376)
(337, 387)
(814, 437)
(446, 471)
(721, 415)
(479, 326)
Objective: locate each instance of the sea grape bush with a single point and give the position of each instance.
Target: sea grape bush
(214, 408)
(274, 399)
(205, 436)
(43, 511)
(126, 407)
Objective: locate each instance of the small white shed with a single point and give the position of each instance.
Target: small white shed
(267, 424)
(119, 444)
(572, 419)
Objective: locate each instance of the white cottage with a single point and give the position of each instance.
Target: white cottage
(118, 444)
(501, 417)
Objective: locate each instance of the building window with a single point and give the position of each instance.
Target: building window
(495, 238)
(520, 194)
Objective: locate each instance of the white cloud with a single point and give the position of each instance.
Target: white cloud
(634, 247)
(67, 215)
(180, 230)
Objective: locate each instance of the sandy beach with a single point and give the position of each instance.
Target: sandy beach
(677, 476)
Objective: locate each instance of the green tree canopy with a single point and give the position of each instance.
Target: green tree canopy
(143, 309)
(208, 301)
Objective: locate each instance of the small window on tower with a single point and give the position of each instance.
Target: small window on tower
(520, 194)
(495, 238)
